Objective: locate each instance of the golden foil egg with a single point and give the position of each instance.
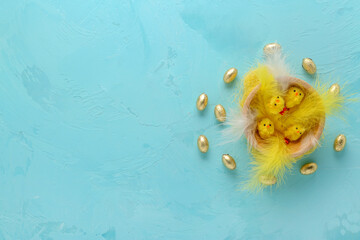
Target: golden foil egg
(220, 113)
(203, 144)
(230, 75)
(271, 48)
(228, 161)
(268, 180)
(309, 65)
(334, 89)
(339, 143)
(202, 101)
(308, 168)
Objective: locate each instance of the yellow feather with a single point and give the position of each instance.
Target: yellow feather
(315, 106)
(260, 75)
(273, 160)
(333, 104)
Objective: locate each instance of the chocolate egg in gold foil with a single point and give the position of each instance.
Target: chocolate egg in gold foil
(203, 144)
(339, 143)
(308, 168)
(271, 48)
(309, 65)
(220, 113)
(228, 161)
(268, 180)
(334, 89)
(201, 102)
(230, 75)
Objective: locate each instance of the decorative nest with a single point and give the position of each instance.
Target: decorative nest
(279, 135)
(296, 148)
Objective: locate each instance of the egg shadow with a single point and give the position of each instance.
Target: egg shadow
(218, 124)
(231, 173)
(312, 76)
(204, 156)
(231, 84)
(203, 112)
(338, 155)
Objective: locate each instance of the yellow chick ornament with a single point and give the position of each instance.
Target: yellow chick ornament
(276, 105)
(294, 132)
(293, 97)
(265, 128)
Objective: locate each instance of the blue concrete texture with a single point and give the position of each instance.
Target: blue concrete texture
(98, 124)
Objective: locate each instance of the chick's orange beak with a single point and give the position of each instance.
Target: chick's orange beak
(267, 126)
(277, 100)
(296, 94)
(297, 131)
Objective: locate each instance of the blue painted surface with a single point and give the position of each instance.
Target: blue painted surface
(98, 124)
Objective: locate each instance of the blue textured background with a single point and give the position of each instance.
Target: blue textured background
(98, 124)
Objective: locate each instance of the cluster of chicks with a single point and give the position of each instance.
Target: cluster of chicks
(277, 107)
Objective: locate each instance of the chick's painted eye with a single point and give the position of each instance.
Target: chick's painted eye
(275, 104)
(270, 125)
(300, 133)
(296, 128)
(278, 97)
(300, 94)
(294, 90)
(264, 125)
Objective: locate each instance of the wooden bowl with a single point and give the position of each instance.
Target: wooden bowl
(299, 147)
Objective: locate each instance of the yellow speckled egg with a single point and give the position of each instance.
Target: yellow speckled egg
(220, 113)
(228, 161)
(309, 65)
(230, 75)
(202, 102)
(308, 168)
(203, 144)
(339, 143)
